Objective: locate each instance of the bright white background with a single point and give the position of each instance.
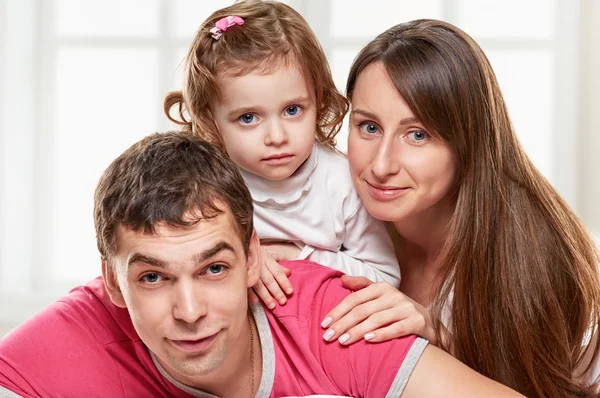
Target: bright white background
(81, 80)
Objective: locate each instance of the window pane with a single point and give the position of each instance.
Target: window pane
(525, 78)
(188, 15)
(341, 61)
(507, 18)
(356, 18)
(138, 18)
(96, 119)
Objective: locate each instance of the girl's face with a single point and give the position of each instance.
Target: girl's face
(399, 169)
(267, 120)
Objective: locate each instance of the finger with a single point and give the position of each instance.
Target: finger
(411, 325)
(281, 273)
(393, 331)
(372, 324)
(263, 293)
(366, 318)
(361, 313)
(356, 282)
(383, 290)
(271, 283)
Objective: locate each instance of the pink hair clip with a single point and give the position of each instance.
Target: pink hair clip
(224, 23)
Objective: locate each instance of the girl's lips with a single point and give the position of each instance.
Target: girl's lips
(381, 192)
(278, 159)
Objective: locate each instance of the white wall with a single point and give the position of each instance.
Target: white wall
(588, 205)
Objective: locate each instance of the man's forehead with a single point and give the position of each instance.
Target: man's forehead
(199, 227)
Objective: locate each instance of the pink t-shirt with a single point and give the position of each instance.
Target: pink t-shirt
(83, 345)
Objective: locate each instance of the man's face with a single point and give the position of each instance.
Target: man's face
(186, 293)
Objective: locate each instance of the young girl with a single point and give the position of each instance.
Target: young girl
(257, 83)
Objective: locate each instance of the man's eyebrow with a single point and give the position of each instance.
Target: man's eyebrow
(199, 258)
(213, 251)
(140, 258)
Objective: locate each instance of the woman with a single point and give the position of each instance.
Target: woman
(485, 245)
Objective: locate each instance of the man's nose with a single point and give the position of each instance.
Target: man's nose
(188, 305)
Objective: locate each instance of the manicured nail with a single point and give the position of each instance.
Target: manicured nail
(326, 322)
(369, 336)
(329, 334)
(343, 338)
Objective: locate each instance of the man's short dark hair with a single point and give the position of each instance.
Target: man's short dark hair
(173, 178)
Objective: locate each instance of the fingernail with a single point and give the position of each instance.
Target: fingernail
(328, 334)
(343, 338)
(282, 301)
(289, 291)
(271, 306)
(326, 322)
(369, 336)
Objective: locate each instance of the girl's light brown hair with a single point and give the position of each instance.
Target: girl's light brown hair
(273, 34)
(518, 270)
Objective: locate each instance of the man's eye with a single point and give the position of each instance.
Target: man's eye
(152, 277)
(215, 269)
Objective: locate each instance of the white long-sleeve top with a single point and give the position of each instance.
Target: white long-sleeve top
(318, 209)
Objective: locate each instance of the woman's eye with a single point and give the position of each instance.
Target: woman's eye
(215, 269)
(418, 135)
(369, 128)
(292, 110)
(248, 118)
(152, 277)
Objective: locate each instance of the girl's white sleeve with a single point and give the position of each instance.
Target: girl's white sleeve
(367, 250)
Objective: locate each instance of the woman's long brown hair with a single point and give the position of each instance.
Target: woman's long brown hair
(518, 269)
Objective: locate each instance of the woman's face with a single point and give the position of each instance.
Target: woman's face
(399, 169)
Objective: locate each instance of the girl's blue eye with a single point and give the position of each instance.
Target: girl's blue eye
(248, 118)
(292, 110)
(215, 269)
(151, 277)
(418, 135)
(369, 128)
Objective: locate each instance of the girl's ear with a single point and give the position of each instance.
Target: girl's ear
(254, 260)
(111, 284)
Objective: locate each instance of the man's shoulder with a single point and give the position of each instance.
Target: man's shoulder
(317, 289)
(86, 311)
(66, 345)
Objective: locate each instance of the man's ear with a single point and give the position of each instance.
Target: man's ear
(254, 259)
(111, 284)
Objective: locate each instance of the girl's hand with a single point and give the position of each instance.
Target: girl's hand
(274, 280)
(376, 312)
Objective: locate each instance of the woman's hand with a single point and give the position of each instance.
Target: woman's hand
(376, 312)
(274, 285)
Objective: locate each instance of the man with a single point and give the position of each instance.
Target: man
(170, 314)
